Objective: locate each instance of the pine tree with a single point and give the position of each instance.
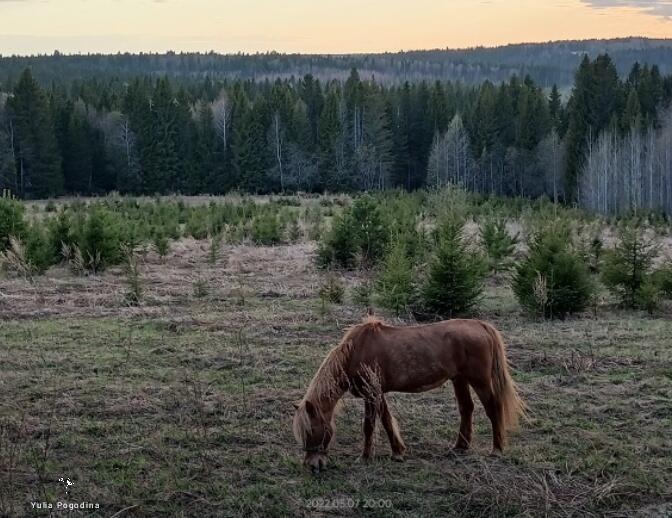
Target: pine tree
(332, 144)
(394, 285)
(455, 282)
(250, 151)
(7, 164)
(595, 100)
(628, 268)
(555, 108)
(38, 162)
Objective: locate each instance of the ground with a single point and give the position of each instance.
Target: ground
(183, 406)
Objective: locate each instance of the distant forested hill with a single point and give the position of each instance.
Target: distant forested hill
(547, 63)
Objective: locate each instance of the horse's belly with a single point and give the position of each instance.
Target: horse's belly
(416, 384)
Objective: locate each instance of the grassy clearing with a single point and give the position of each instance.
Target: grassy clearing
(182, 406)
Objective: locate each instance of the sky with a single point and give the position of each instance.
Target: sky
(315, 26)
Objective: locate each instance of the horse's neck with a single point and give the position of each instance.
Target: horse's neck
(326, 401)
(330, 383)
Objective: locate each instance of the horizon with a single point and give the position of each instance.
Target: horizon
(336, 54)
(75, 27)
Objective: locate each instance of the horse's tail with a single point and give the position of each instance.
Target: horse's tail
(503, 386)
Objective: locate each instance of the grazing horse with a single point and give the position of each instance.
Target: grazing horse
(374, 358)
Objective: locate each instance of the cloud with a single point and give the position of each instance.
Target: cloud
(654, 7)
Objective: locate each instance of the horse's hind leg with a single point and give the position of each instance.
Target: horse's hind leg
(466, 406)
(369, 426)
(493, 409)
(392, 429)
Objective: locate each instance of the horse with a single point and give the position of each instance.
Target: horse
(375, 358)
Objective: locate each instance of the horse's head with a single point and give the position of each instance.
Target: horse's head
(314, 431)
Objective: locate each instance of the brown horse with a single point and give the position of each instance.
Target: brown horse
(374, 358)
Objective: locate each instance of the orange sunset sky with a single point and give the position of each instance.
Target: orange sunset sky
(315, 26)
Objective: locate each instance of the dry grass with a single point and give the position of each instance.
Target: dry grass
(182, 406)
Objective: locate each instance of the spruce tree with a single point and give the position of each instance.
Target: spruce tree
(455, 281)
(38, 162)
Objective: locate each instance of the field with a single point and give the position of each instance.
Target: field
(181, 405)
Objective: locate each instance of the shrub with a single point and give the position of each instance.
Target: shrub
(593, 252)
(628, 268)
(14, 259)
(215, 247)
(12, 221)
(553, 280)
(266, 229)
(200, 287)
(361, 294)
(648, 295)
(294, 233)
(663, 279)
(371, 232)
(332, 290)
(454, 284)
(161, 243)
(134, 289)
(395, 282)
(99, 239)
(499, 244)
(60, 234)
(339, 246)
(39, 253)
(358, 233)
(197, 225)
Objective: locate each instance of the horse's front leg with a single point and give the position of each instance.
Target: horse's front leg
(369, 426)
(392, 429)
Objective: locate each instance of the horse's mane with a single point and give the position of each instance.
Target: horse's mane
(331, 380)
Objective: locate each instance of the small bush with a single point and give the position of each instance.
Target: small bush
(663, 279)
(628, 268)
(371, 233)
(197, 225)
(12, 221)
(332, 290)
(454, 285)
(161, 243)
(357, 234)
(266, 229)
(294, 233)
(499, 244)
(339, 246)
(200, 287)
(215, 247)
(648, 295)
(39, 253)
(99, 240)
(60, 234)
(134, 288)
(553, 280)
(362, 294)
(395, 283)
(14, 259)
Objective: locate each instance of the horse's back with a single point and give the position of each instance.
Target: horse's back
(418, 358)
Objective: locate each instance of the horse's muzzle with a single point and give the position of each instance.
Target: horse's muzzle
(316, 462)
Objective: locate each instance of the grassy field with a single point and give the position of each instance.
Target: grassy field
(182, 406)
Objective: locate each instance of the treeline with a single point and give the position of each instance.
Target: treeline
(152, 135)
(547, 63)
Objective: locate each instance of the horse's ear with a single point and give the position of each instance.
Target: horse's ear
(296, 404)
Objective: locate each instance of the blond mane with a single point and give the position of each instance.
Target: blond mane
(330, 380)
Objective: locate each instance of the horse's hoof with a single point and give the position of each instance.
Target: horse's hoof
(496, 453)
(365, 459)
(461, 448)
(398, 457)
